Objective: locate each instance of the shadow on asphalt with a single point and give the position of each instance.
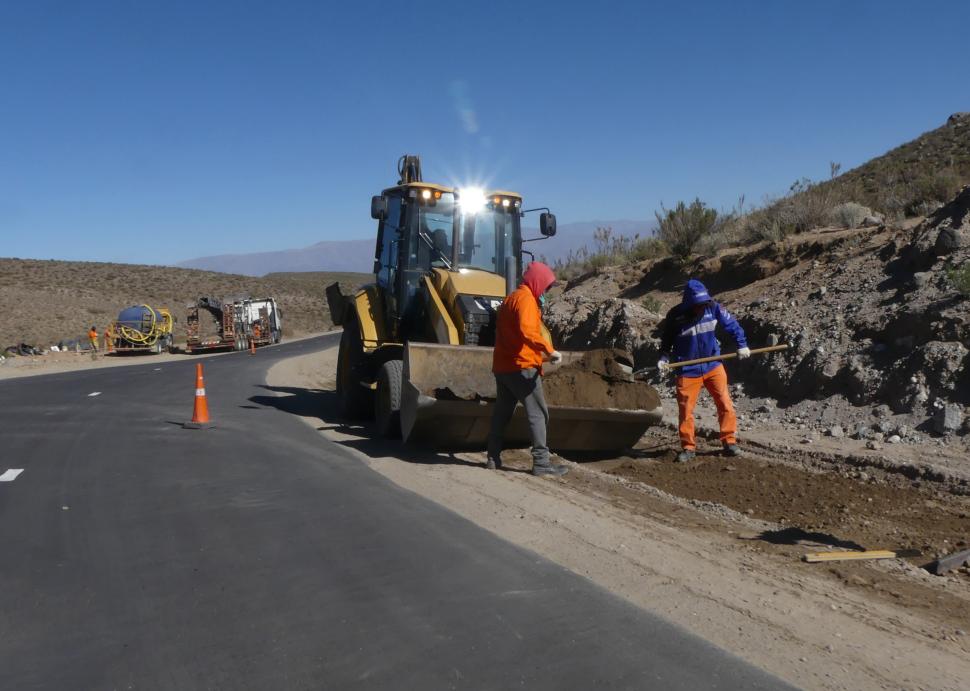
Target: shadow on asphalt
(322, 405)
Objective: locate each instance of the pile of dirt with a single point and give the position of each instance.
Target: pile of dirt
(601, 378)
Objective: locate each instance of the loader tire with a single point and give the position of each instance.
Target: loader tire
(387, 407)
(355, 400)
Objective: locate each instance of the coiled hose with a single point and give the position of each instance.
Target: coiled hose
(150, 336)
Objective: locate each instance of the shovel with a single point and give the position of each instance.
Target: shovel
(722, 356)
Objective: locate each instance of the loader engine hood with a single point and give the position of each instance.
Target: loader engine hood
(471, 297)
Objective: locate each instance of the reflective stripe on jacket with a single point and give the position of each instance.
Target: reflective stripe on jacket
(689, 338)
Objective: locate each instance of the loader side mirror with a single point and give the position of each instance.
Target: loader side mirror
(378, 208)
(547, 224)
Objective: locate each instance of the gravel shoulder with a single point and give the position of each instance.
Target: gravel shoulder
(634, 526)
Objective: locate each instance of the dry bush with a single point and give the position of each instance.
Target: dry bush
(608, 250)
(683, 227)
(960, 279)
(848, 215)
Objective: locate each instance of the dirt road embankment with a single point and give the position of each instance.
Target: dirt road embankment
(711, 546)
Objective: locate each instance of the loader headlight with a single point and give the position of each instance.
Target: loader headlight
(472, 200)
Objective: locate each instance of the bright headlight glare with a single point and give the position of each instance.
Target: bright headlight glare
(506, 202)
(472, 200)
(426, 194)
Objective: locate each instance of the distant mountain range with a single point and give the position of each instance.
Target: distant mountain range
(358, 255)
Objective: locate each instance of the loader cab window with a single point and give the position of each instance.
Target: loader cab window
(436, 222)
(487, 238)
(388, 240)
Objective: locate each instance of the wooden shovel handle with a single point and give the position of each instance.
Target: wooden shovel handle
(727, 356)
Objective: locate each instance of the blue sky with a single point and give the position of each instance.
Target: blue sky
(160, 131)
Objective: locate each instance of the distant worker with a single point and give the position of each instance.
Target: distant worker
(107, 339)
(688, 333)
(256, 331)
(93, 337)
(520, 349)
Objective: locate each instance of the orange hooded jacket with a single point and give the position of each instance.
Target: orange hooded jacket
(519, 343)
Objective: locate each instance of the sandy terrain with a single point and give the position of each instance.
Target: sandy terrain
(43, 302)
(730, 574)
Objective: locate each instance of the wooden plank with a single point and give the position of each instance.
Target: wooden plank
(949, 562)
(857, 556)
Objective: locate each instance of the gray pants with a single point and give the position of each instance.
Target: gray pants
(523, 387)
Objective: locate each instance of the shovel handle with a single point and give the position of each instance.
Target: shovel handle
(727, 356)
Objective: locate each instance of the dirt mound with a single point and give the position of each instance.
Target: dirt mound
(600, 379)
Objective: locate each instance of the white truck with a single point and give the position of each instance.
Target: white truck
(259, 319)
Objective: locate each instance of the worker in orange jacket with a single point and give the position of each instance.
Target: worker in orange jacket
(520, 350)
(93, 337)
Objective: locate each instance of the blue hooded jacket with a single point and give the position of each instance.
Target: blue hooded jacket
(689, 337)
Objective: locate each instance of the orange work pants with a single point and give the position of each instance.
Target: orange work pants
(689, 388)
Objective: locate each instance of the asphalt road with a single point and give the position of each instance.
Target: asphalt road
(137, 554)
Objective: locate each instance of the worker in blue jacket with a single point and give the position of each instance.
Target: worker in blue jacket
(689, 333)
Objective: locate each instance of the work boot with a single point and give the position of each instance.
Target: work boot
(549, 469)
(686, 455)
(493, 463)
(732, 450)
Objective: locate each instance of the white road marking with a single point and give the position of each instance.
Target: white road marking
(94, 393)
(11, 475)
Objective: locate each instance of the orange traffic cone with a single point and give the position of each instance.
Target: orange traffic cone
(200, 413)
(252, 345)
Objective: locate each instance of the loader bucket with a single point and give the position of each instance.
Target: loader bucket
(448, 396)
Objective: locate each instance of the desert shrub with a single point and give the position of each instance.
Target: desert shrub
(928, 192)
(608, 250)
(960, 279)
(682, 227)
(848, 214)
(647, 248)
(652, 304)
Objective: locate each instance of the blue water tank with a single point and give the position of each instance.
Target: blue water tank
(137, 317)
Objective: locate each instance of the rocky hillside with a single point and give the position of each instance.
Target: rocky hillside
(876, 322)
(44, 302)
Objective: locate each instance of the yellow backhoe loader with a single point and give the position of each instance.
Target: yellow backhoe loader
(416, 345)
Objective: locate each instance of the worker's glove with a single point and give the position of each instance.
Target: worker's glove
(744, 353)
(555, 357)
(663, 364)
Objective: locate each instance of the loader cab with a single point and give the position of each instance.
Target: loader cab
(414, 235)
(426, 226)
